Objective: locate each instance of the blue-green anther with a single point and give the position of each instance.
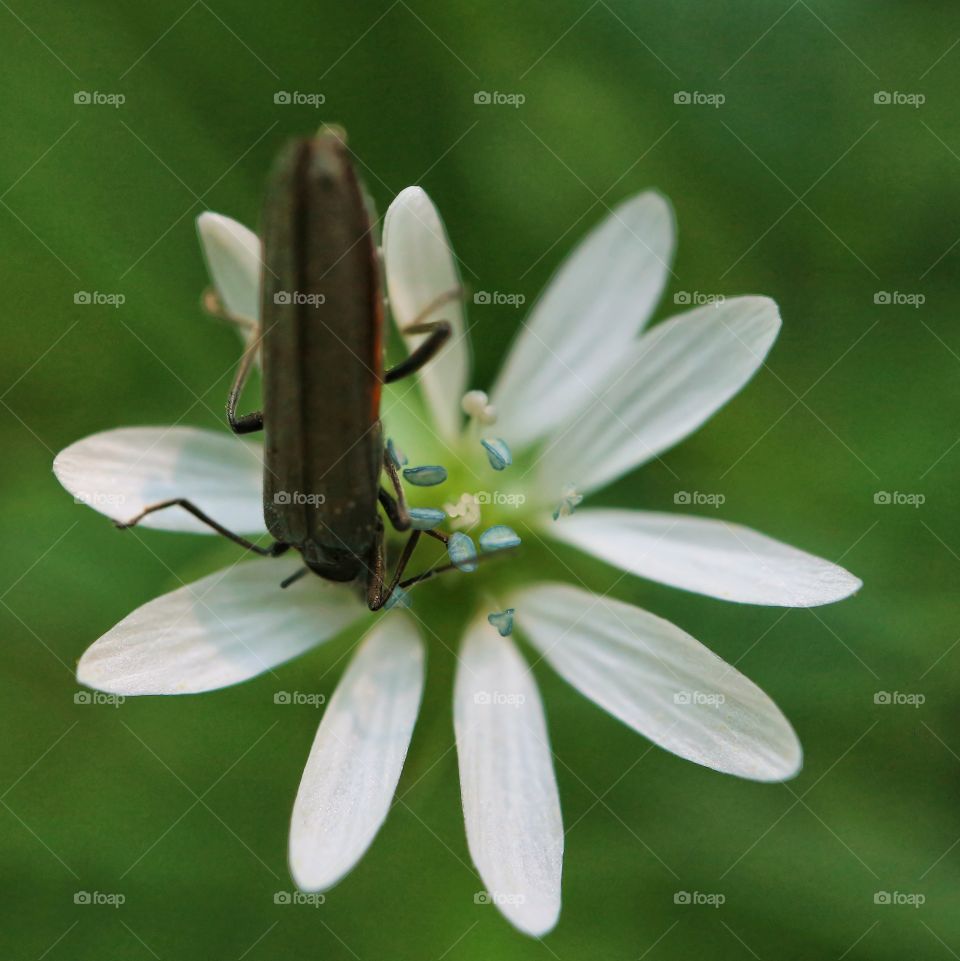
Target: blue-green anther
(425, 476)
(426, 518)
(497, 452)
(499, 538)
(503, 621)
(399, 598)
(463, 553)
(396, 457)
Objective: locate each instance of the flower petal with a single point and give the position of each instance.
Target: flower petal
(659, 680)
(510, 800)
(420, 267)
(596, 304)
(120, 472)
(218, 631)
(665, 386)
(357, 756)
(707, 556)
(233, 260)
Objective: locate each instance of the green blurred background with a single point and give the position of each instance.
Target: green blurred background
(799, 186)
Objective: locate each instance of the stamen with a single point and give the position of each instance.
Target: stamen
(476, 405)
(497, 452)
(425, 518)
(397, 457)
(498, 538)
(569, 503)
(502, 621)
(425, 476)
(399, 598)
(463, 554)
(465, 513)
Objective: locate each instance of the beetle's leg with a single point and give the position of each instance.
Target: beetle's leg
(214, 307)
(377, 596)
(272, 551)
(396, 507)
(248, 423)
(294, 577)
(439, 331)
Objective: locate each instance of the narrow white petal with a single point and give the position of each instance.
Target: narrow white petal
(659, 680)
(420, 267)
(665, 386)
(510, 801)
(220, 630)
(707, 556)
(596, 304)
(119, 472)
(357, 756)
(232, 253)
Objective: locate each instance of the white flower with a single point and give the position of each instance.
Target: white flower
(583, 398)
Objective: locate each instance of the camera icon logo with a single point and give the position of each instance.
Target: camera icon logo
(482, 97)
(882, 497)
(481, 897)
(82, 697)
(482, 697)
(81, 897)
(82, 97)
(282, 897)
(682, 96)
(682, 497)
(281, 697)
(882, 697)
(882, 297)
(882, 96)
(682, 297)
(282, 96)
(681, 897)
(881, 897)
(282, 297)
(482, 297)
(282, 497)
(82, 297)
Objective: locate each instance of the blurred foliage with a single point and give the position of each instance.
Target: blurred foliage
(799, 186)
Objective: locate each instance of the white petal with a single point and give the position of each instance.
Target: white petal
(356, 758)
(659, 680)
(665, 386)
(708, 556)
(233, 261)
(596, 304)
(220, 630)
(119, 472)
(510, 800)
(420, 267)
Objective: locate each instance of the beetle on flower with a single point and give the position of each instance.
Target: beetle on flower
(585, 396)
